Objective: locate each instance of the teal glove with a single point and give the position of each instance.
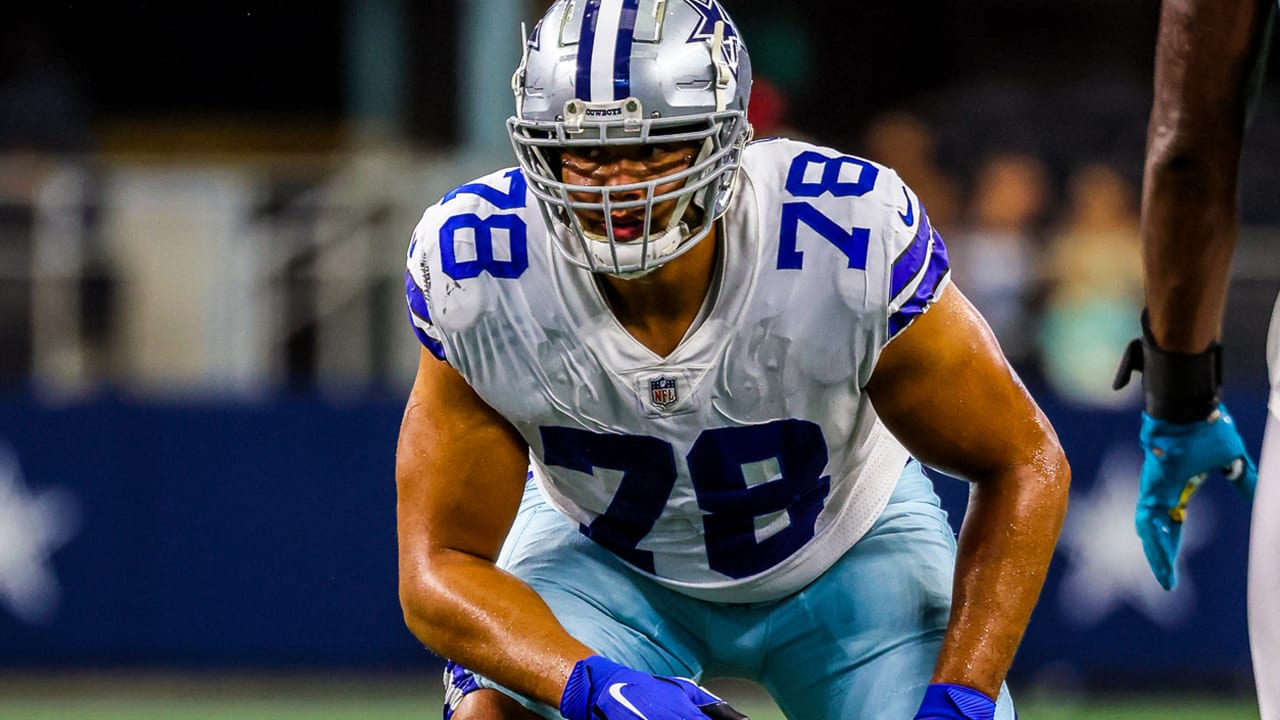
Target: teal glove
(1186, 435)
(1178, 458)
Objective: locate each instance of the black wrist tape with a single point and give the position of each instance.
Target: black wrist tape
(1179, 387)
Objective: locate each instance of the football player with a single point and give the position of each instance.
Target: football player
(674, 398)
(1209, 54)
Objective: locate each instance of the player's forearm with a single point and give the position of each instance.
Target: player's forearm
(1189, 231)
(1006, 543)
(1204, 57)
(466, 609)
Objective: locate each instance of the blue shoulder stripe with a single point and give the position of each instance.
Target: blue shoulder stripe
(931, 262)
(419, 315)
(910, 262)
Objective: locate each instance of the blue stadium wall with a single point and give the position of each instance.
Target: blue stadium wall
(263, 536)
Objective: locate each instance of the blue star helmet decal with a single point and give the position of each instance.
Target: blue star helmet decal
(535, 37)
(712, 13)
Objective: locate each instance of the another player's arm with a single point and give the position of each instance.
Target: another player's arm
(460, 475)
(944, 388)
(1204, 56)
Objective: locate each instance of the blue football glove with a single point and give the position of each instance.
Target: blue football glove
(944, 701)
(600, 689)
(1178, 458)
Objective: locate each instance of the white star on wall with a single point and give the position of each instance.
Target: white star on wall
(1106, 568)
(32, 527)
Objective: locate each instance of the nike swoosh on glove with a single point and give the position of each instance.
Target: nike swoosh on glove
(600, 689)
(945, 701)
(1177, 459)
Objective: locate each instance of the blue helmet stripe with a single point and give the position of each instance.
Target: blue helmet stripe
(586, 46)
(622, 52)
(608, 30)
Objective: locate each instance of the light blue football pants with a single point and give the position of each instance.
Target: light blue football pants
(859, 643)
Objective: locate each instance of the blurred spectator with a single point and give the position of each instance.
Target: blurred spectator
(44, 127)
(1096, 286)
(996, 256)
(769, 111)
(906, 143)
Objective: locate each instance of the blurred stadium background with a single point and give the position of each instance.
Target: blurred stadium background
(203, 349)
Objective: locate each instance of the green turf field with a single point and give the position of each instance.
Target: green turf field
(276, 697)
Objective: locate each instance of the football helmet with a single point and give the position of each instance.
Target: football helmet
(632, 72)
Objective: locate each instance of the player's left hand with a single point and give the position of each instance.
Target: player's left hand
(1178, 458)
(945, 701)
(600, 689)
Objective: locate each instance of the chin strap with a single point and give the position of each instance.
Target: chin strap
(1178, 387)
(660, 245)
(723, 72)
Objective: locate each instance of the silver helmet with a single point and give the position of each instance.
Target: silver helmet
(632, 72)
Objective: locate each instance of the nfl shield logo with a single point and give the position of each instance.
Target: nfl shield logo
(662, 391)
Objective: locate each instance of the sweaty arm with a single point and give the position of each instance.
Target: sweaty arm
(460, 474)
(1205, 54)
(944, 389)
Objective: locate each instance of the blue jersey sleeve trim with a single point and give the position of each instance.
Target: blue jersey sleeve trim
(909, 264)
(419, 316)
(926, 292)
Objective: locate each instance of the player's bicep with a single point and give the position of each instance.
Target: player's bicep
(945, 390)
(460, 469)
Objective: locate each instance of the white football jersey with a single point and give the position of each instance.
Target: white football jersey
(1273, 359)
(745, 463)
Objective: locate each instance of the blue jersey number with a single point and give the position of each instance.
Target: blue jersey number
(648, 468)
(483, 230)
(716, 468)
(852, 242)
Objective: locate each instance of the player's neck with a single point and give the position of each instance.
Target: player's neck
(658, 309)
